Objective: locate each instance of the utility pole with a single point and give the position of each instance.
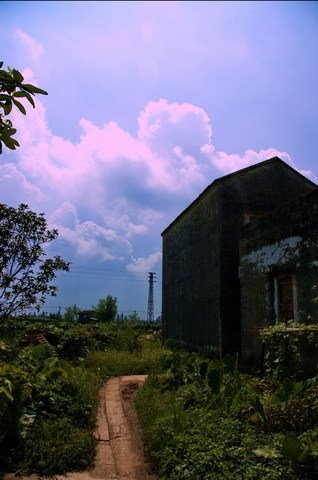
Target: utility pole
(150, 311)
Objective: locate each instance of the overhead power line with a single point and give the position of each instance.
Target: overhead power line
(97, 273)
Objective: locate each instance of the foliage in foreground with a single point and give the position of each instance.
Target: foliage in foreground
(49, 393)
(12, 88)
(290, 349)
(205, 420)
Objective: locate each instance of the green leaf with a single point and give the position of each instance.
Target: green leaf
(4, 96)
(230, 363)
(214, 381)
(11, 131)
(7, 107)
(266, 452)
(20, 106)
(203, 370)
(292, 448)
(230, 393)
(17, 76)
(7, 393)
(9, 142)
(26, 95)
(32, 89)
(258, 406)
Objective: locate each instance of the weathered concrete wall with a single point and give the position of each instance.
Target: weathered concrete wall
(284, 241)
(248, 192)
(190, 310)
(201, 285)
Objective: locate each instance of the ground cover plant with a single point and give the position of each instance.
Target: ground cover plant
(202, 419)
(49, 391)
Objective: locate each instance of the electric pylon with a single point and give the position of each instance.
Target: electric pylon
(150, 311)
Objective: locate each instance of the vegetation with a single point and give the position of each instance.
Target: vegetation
(12, 88)
(106, 309)
(203, 419)
(25, 273)
(290, 349)
(49, 392)
(71, 313)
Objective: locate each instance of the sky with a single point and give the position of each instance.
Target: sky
(148, 103)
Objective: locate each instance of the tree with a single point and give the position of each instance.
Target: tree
(133, 317)
(106, 309)
(25, 273)
(71, 313)
(12, 88)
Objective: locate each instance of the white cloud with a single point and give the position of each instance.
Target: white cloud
(164, 126)
(34, 48)
(145, 264)
(309, 174)
(15, 188)
(88, 239)
(228, 163)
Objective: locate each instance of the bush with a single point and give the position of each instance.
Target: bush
(57, 446)
(203, 419)
(79, 397)
(290, 350)
(113, 363)
(196, 443)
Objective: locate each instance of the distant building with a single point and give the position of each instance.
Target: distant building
(243, 255)
(87, 316)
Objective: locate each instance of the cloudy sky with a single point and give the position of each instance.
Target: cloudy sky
(148, 103)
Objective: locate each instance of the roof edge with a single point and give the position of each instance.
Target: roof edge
(233, 174)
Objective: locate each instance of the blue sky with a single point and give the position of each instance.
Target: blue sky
(148, 103)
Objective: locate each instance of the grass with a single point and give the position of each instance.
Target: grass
(148, 359)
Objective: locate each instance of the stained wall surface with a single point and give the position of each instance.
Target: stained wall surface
(201, 256)
(283, 244)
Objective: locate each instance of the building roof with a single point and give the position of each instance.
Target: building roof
(273, 160)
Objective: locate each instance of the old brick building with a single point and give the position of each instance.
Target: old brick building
(223, 277)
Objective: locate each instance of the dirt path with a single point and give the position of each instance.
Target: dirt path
(119, 453)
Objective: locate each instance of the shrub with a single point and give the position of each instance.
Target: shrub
(57, 446)
(79, 397)
(286, 348)
(196, 443)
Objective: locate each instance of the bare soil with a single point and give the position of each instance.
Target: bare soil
(120, 452)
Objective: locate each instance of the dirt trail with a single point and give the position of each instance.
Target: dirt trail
(119, 453)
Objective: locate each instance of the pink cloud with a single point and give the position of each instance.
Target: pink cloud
(110, 187)
(101, 152)
(164, 126)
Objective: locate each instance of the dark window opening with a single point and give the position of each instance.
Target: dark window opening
(285, 298)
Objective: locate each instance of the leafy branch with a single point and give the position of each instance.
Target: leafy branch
(12, 88)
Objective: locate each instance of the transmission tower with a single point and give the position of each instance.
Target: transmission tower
(150, 311)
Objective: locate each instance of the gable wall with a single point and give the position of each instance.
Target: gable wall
(190, 310)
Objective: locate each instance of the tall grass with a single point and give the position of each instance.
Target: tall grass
(148, 359)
